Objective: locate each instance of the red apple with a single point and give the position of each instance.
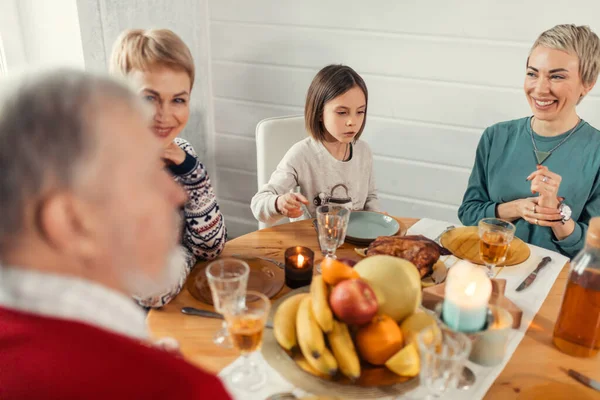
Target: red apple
(353, 301)
(347, 261)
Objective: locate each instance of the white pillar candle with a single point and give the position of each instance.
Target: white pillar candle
(468, 291)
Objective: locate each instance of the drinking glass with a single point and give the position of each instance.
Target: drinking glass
(332, 222)
(495, 236)
(246, 323)
(228, 279)
(443, 353)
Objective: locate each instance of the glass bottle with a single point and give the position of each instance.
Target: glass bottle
(577, 329)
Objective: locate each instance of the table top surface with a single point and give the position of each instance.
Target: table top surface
(536, 369)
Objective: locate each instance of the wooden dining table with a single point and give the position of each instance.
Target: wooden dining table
(536, 370)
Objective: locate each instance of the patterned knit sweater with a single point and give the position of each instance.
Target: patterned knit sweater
(204, 232)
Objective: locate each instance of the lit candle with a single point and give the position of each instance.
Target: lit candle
(298, 266)
(300, 260)
(468, 291)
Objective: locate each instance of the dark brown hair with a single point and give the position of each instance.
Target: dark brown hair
(329, 83)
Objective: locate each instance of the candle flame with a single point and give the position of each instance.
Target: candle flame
(470, 290)
(300, 260)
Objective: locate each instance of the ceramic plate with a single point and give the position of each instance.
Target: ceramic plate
(265, 277)
(366, 226)
(464, 243)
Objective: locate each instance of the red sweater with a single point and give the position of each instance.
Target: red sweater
(48, 358)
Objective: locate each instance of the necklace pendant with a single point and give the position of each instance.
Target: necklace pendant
(541, 156)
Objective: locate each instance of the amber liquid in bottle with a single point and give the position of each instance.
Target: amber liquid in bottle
(577, 329)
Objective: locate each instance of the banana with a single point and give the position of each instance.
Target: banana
(284, 322)
(320, 303)
(344, 351)
(306, 366)
(325, 365)
(310, 336)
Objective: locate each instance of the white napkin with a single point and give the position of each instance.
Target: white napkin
(275, 382)
(530, 301)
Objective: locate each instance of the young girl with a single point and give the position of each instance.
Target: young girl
(163, 67)
(331, 165)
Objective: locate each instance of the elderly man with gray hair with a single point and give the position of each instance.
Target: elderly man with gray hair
(87, 219)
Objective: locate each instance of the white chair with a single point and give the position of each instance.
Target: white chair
(274, 137)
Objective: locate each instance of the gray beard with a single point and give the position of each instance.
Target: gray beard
(142, 286)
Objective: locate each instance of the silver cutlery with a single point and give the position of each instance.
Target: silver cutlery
(209, 314)
(282, 396)
(467, 379)
(448, 228)
(271, 260)
(531, 277)
(584, 379)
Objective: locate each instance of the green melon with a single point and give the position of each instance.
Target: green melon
(396, 283)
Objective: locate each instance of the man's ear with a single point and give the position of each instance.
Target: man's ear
(66, 226)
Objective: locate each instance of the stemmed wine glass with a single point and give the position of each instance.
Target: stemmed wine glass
(246, 323)
(228, 279)
(332, 223)
(495, 236)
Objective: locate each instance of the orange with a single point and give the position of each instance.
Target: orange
(379, 340)
(335, 271)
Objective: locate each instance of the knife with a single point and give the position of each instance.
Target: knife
(584, 379)
(209, 314)
(529, 280)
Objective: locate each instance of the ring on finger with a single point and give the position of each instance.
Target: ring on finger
(537, 221)
(545, 179)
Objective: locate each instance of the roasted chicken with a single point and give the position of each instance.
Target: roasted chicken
(418, 249)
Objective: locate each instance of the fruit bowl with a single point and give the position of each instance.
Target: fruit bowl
(373, 382)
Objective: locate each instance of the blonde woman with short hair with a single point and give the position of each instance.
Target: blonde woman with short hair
(543, 172)
(162, 67)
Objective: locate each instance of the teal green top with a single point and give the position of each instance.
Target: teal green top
(505, 158)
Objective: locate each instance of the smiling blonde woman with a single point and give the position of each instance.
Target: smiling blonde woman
(162, 67)
(543, 172)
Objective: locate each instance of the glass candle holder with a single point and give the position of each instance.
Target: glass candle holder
(298, 266)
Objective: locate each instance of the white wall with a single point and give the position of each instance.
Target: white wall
(438, 73)
(38, 33)
(10, 33)
(50, 31)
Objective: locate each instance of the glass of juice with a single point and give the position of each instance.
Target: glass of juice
(246, 323)
(495, 236)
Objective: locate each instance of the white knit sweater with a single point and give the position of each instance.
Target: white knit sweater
(320, 177)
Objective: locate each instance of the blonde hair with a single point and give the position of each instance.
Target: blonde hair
(142, 49)
(577, 40)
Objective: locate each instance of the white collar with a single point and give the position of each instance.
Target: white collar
(71, 298)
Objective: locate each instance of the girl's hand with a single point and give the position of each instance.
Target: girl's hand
(289, 204)
(546, 183)
(532, 212)
(173, 154)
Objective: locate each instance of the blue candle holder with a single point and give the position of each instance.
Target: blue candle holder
(466, 322)
(463, 319)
